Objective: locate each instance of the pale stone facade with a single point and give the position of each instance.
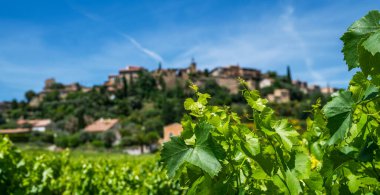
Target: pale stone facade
(279, 96)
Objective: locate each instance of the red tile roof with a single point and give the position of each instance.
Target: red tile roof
(13, 131)
(35, 122)
(101, 125)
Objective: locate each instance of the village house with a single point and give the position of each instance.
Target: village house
(236, 71)
(63, 90)
(40, 125)
(227, 77)
(313, 88)
(328, 90)
(129, 73)
(174, 129)
(266, 82)
(104, 125)
(175, 76)
(302, 86)
(279, 96)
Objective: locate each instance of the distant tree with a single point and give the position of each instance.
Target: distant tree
(57, 86)
(145, 85)
(2, 119)
(29, 95)
(153, 123)
(108, 138)
(152, 138)
(159, 66)
(71, 124)
(52, 96)
(272, 74)
(266, 90)
(125, 87)
(288, 74)
(14, 104)
(206, 72)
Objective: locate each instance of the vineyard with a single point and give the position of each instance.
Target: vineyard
(44, 172)
(216, 153)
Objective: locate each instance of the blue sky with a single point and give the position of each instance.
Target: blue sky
(85, 41)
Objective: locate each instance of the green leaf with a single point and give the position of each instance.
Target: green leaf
(339, 116)
(195, 185)
(189, 104)
(369, 63)
(372, 43)
(315, 182)
(316, 150)
(350, 49)
(355, 182)
(266, 163)
(371, 92)
(356, 32)
(292, 183)
(302, 166)
(286, 133)
(332, 163)
(254, 100)
(176, 152)
(367, 153)
(251, 146)
(358, 85)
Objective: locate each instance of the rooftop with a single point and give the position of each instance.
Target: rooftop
(35, 122)
(12, 131)
(101, 125)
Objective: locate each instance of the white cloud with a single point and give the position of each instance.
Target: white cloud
(144, 50)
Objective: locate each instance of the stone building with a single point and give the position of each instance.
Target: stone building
(129, 73)
(266, 82)
(175, 76)
(279, 96)
(35, 124)
(227, 77)
(104, 125)
(174, 129)
(328, 90)
(302, 86)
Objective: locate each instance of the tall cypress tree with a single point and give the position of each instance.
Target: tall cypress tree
(289, 75)
(125, 87)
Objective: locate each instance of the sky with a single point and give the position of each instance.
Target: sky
(85, 41)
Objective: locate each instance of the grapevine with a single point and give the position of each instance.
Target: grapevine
(338, 153)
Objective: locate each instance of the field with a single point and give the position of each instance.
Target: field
(36, 171)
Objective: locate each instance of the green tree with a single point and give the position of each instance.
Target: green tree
(288, 74)
(29, 95)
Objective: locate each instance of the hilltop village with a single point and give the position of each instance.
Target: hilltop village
(169, 78)
(137, 107)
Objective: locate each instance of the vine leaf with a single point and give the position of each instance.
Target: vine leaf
(339, 116)
(286, 133)
(369, 63)
(302, 166)
(356, 34)
(175, 152)
(292, 183)
(355, 182)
